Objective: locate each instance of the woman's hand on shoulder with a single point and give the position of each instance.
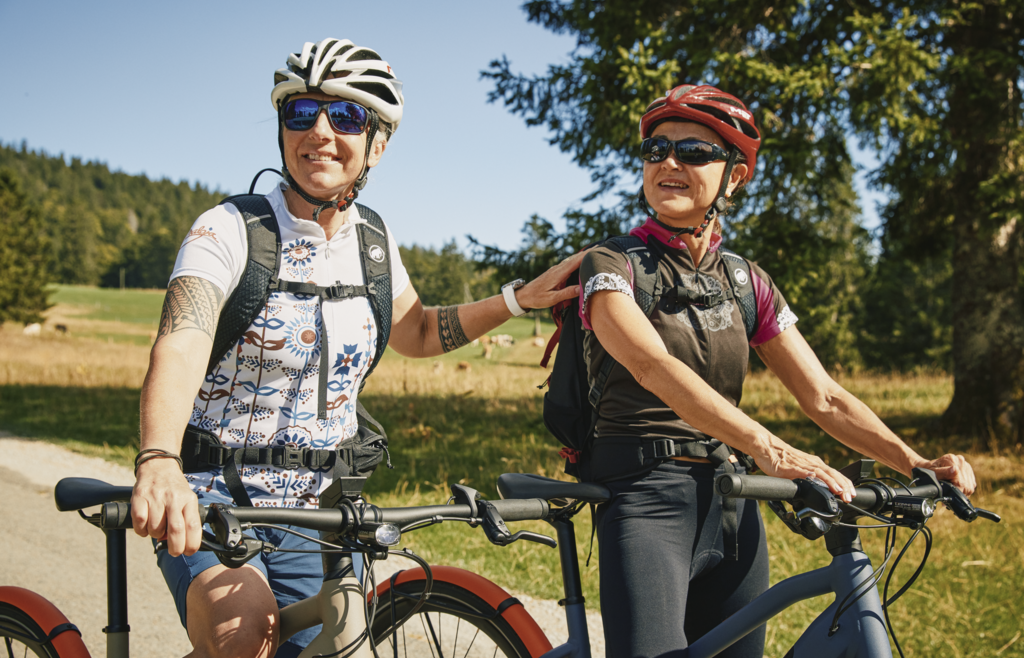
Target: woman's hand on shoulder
(953, 468)
(546, 290)
(782, 460)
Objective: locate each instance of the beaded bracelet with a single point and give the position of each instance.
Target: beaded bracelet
(155, 453)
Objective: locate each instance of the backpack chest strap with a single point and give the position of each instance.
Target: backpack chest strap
(336, 292)
(685, 295)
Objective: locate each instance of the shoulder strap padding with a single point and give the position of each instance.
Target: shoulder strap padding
(647, 290)
(647, 287)
(741, 279)
(375, 255)
(261, 268)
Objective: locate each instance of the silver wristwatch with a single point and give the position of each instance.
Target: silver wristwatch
(508, 291)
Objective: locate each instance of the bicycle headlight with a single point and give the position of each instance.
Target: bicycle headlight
(384, 534)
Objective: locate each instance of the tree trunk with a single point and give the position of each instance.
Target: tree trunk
(988, 324)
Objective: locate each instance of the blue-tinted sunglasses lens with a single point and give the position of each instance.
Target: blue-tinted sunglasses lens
(347, 118)
(301, 114)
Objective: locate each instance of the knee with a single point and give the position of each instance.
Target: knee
(238, 637)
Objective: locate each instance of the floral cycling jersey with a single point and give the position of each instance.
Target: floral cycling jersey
(712, 341)
(264, 393)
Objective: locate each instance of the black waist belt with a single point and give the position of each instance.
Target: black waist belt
(616, 457)
(202, 451)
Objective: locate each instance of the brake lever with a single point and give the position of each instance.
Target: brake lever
(962, 506)
(533, 536)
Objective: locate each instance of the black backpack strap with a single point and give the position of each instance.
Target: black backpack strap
(741, 281)
(261, 268)
(647, 290)
(375, 255)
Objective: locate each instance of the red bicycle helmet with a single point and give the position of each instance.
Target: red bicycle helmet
(722, 112)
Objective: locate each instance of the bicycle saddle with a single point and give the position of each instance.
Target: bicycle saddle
(525, 485)
(72, 494)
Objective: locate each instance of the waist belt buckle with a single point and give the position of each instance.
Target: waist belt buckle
(664, 449)
(292, 458)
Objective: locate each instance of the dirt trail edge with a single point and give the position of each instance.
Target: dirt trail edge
(63, 558)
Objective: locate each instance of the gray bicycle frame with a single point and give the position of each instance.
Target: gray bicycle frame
(861, 633)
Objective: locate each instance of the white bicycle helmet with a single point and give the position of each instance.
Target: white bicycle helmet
(338, 67)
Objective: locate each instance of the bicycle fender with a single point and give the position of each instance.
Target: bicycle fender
(511, 610)
(68, 642)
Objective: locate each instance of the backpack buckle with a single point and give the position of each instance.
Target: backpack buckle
(291, 458)
(664, 449)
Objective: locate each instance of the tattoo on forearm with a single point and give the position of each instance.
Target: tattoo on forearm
(191, 303)
(450, 329)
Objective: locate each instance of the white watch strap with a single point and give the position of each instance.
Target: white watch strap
(509, 293)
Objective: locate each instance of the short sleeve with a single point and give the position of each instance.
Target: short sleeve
(399, 275)
(603, 269)
(773, 313)
(214, 249)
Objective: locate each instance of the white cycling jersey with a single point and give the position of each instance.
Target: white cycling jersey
(265, 394)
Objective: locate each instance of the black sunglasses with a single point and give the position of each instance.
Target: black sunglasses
(688, 151)
(346, 118)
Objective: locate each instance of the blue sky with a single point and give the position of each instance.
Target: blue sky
(181, 90)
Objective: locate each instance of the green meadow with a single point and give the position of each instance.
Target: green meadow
(464, 418)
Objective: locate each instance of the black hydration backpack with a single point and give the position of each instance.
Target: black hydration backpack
(572, 398)
(203, 450)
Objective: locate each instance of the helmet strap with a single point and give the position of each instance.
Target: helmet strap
(371, 133)
(645, 208)
(320, 204)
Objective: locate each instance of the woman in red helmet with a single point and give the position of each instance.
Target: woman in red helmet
(675, 559)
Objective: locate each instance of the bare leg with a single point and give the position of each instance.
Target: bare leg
(232, 614)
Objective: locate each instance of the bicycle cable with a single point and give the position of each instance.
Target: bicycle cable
(871, 582)
(885, 590)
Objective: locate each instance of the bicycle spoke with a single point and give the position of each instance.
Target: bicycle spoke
(472, 642)
(432, 635)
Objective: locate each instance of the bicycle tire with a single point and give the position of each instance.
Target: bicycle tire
(32, 625)
(466, 615)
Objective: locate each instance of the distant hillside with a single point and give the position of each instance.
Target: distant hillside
(101, 222)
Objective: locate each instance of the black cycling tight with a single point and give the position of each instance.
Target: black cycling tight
(663, 577)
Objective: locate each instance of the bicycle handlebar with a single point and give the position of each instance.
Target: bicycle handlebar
(117, 516)
(872, 498)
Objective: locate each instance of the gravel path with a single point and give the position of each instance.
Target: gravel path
(63, 558)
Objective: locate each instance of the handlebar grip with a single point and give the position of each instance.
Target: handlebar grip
(118, 516)
(522, 509)
(754, 487)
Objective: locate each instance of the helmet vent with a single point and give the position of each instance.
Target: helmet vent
(681, 91)
(379, 90)
(727, 101)
(364, 54)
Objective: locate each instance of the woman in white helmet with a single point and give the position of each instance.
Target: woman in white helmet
(338, 104)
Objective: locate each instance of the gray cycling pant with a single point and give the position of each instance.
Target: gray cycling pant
(664, 579)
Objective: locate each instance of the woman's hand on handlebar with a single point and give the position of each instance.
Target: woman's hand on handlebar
(164, 507)
(782, 460)
(953, 468)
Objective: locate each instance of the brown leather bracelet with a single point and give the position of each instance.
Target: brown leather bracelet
(155, 453)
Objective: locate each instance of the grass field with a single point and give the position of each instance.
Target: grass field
(450, 425)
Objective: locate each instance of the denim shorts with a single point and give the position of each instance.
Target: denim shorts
(292, 576)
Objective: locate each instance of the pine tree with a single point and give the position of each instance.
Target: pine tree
(933, 87)
(24, 255)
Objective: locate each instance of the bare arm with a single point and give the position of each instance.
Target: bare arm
(628, 336)
(424, 332)
(845, 417)
(162, 502)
